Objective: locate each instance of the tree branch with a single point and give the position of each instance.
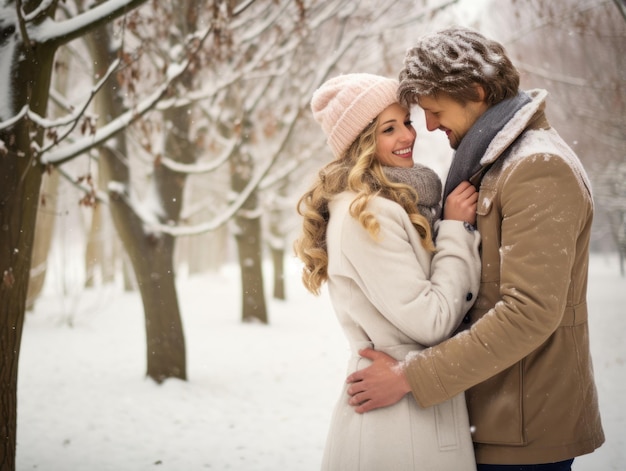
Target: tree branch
(61, 32)
(59, 156)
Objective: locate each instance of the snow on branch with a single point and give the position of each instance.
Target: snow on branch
(199, 168)
(59, 155)
(64, 31)
(224, 216)
(151, 226)
(41, 9)
(71, 119)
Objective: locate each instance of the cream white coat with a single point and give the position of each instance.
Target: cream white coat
(394, 296)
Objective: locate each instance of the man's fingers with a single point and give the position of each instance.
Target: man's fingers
(357, 399)
(365, 407)
(463, 188)
(355, 388)
(362, 403)
(469, 193)
(360, 374)
(464, 185)
(354, 378)
(369, 353)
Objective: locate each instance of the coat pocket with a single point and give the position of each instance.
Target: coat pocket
(485, 201)
(446, 423)
(497, 410)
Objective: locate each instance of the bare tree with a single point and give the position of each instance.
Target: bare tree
(269, 106)
(30, 144)
(263, 47)
(150, 252)
(258, 67)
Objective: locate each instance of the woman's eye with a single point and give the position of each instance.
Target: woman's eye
(388, 130)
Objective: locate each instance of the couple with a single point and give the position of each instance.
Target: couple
(402, 280)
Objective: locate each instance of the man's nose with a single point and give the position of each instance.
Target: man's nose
(432, 122)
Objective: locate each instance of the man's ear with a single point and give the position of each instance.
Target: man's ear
(480, 91)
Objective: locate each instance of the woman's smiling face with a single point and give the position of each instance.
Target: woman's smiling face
(395, 137)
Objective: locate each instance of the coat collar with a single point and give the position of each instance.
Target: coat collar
(530, 115)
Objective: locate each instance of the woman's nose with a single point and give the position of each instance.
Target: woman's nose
(409, 134)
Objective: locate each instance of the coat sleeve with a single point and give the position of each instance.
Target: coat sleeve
(544, 206)
(393, 272)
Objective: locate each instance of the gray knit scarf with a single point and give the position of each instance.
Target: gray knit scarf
(466, 160)
(427, 185)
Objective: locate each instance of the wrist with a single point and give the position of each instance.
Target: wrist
(400, 370)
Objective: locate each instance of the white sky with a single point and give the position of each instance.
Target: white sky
(470, 10)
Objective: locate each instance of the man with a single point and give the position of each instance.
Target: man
(524, 357)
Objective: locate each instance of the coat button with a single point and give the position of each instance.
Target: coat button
(469, 297)
(469, 227)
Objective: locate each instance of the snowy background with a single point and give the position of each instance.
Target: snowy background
(258, 397)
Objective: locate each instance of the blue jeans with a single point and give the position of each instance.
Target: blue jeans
(560, 466)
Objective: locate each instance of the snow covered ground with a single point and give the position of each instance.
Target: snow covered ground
(258, 397)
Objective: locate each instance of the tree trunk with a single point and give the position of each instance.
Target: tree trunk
(278, 262)
(20, 183)
(151, 257)
(277, 217)
(19, 193)
(249, 249)
(236, 125)
(151, 254)
(165, 340)
(249, 244)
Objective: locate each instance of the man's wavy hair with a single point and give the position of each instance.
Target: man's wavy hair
(452, 62)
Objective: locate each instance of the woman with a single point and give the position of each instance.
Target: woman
(368, 232)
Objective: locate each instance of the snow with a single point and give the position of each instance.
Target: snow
(49, 29)
(258, 397)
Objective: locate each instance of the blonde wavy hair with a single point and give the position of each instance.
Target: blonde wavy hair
(357, 170)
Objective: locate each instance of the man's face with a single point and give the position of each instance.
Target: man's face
(450, 116)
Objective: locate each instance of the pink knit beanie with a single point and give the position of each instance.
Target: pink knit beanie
(346, 104)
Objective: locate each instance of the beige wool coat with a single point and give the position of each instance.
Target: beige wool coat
(526, 365)
(394, 296)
